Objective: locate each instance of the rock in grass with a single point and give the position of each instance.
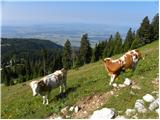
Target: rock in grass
(115, 85)
(127, 82)
(154, 105)
(120, 117)
(58, 118)
(122, 85)
(139, 106)
(105, 113)
(130, 112)
(64, 110)
(157, 111)
(71, 108)
(148, 98)
(76, 109)
(136, 87)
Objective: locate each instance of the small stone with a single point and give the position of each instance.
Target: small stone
(140, 100)
(130, 112)
(122, 85)
(76, 109)
(134, 117)
(67, 116)
(58, 118)
(120, 117)
(154, 92)
(114, 85)
(153, 105)
(104, 113)
(85, 112)
(71, 108)
(127, 82)
(148, 98)
(112, 93)
(136, 87)
(139, 106)
(64, 110)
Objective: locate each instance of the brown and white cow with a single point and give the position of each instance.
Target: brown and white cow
(47, 83)
(127, 61)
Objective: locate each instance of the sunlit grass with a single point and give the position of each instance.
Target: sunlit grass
(18, 102)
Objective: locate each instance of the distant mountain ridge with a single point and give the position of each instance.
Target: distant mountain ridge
(20, 47)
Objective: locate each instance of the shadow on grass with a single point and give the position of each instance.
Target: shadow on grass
(64, 95)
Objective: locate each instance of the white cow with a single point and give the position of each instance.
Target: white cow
(47, 83)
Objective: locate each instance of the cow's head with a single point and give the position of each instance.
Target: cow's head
(36, 86)
(136, 55)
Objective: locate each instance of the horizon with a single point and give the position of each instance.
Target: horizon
(117, 13)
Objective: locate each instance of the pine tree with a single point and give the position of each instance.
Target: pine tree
(45, 61)
(101, 47)
(85, 50)
(28, 68)
(117, 43)
(128, 40)
(155, 27)
(67, 53)
(108, 52)
(145, 31)
(106, 49)
(75, 57)
(137, 42)
(95, 54)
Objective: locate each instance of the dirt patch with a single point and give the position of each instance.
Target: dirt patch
(91, 103)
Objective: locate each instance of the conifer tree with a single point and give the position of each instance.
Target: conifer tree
(95, 54)
(117, 43)
(106, 49)
(128, 40)
(67, 59)
(145, 31)
(137, 42)
(109, 48)
(101, 47)
(85, 50)
(155, 27)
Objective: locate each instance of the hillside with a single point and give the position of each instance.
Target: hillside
(87, 86)
(22, 46)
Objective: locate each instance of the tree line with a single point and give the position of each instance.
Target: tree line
(145, 34)
(44, 61)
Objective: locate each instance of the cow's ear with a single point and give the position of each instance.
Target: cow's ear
(41, 83)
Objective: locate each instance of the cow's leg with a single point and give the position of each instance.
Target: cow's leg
(113, 76)
(44, 99)
(64, 86)
(134, 66)
(60, 91)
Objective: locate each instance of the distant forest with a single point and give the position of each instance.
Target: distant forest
(25, 59)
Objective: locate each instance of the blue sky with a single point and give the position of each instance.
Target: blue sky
(112, 13)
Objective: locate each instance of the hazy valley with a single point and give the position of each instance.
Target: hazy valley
(59, 33)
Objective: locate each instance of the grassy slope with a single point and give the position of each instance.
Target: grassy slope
(17, 101)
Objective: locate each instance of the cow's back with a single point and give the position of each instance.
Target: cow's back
(52, 81)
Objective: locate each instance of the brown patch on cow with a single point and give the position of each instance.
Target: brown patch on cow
(128, 61)
(42, 86)
(112, 67)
